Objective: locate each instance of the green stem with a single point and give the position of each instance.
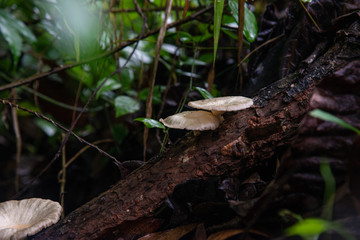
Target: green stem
(185, 98)
(191, 80)
(164, 140)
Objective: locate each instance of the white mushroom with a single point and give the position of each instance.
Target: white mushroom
(27, 217)
(192, 120)
(222, 104)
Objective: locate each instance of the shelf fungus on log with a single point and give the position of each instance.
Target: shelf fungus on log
(192, 120)
(222, 104)
(19, 219)
(204, 120)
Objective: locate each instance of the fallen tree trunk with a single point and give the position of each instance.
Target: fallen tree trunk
(243, 142)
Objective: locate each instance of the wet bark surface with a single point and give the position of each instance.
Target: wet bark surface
(245, 142)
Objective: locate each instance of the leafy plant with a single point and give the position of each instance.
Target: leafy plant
(125, 105)
(14, 31)
(312, 228)
(218, 12)
(203, 92)
(110, 85)
(250, 23)
(330, 187)
(331, 118)
(150, 123)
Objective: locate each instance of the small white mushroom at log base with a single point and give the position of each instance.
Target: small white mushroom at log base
(222, 104)
(19, 219)
(192, 120)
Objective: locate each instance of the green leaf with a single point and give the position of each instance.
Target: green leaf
(119, 132)
(218, 11)
(125, 105)
(329, 192)
(188, 74)
(202, 38)
(183, 36)
(206, 57)
(12, 29)
(229, 21)
(13, 38)
(14, 41)
(192, 61)
(156, 94)
(288, 215)
(110, 84)
(150, 123)
(230, 34)
(127, 77)
(48, 128)
(331, 118)
(309, 227)
(233, 5)
(204, 92)
(17, 25)
(188, 38)
(250, 23)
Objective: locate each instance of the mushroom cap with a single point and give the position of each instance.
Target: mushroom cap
(192, 120)
(229, 103)
(27, 217)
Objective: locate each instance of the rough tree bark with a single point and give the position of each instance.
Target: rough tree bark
(243, 142)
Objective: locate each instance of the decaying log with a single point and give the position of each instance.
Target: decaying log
(243, 142)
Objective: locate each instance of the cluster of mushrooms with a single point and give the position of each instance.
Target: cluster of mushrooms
(19, 219)
(205, 120)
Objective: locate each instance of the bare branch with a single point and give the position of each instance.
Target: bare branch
(158, 9)
(39, 115)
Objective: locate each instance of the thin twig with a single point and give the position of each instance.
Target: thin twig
(159, 43)
(191, 80)
(62, 181)
(67, 164)
(47, 98)
(140, 12)
(39, 115)
(241, 16)
(77, 98)
(168, 83)
(18, 142)
(260, 46)
(311, 18)
(158, 9)
(73, 124)
(174, 60)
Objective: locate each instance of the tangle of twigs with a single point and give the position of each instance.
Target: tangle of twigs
(70, 131)
(39, 115)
